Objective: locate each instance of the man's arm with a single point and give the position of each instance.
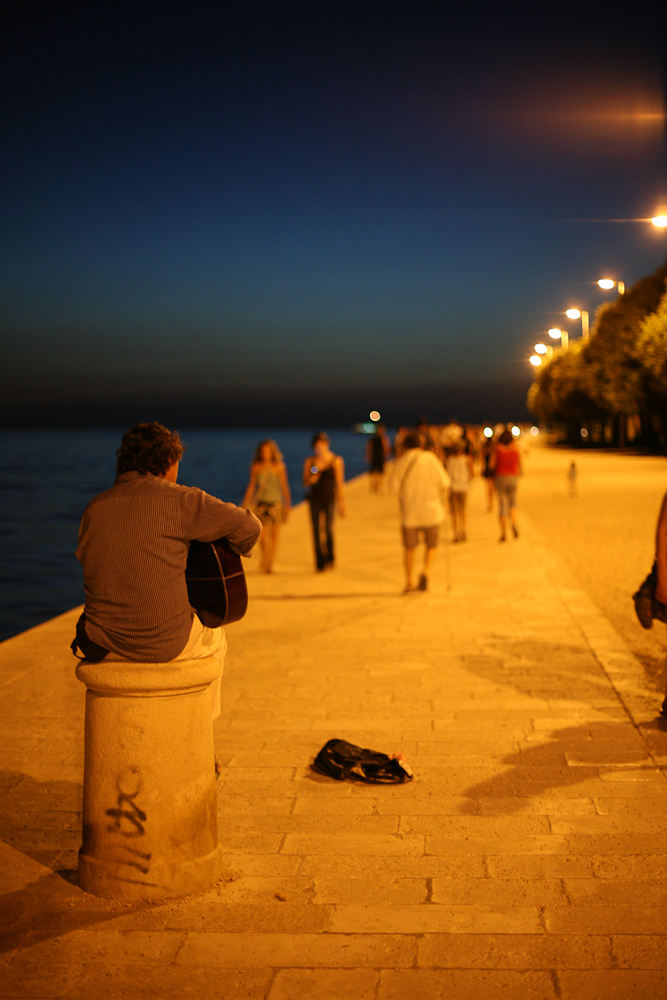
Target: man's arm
(205, 518)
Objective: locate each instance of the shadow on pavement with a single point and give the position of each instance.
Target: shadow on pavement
(568, 757)
(42, 820)
(48, 908)
(543, 669)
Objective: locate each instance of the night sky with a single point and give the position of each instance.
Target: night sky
(244, 213)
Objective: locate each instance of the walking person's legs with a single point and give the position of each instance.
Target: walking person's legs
(502, 506)
(410, 540)
(431, 537)
(511, 499)
(328, 515)
(315, 511)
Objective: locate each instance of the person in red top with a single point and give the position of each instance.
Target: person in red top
(505, 462)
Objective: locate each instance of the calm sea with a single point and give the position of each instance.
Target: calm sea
(47, 478)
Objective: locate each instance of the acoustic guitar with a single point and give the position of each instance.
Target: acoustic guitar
(216, 583)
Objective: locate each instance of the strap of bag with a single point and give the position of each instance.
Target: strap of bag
(92, 652)
(407, 472)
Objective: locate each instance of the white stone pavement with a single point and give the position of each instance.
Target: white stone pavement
(528, 858)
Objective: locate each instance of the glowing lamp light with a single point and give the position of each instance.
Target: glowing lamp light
(540, 348)
(534, 430)
(516, 431)
(606, 283)
(660, 221)
(573, 313)
(535, 360)
(555, 333)
(583, 432)
(374, 415)
(488, 432)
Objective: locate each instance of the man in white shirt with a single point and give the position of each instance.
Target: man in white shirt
(422, 485)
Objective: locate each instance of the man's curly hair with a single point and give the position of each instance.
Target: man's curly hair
(148, 448)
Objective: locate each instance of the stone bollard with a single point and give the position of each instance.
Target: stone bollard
(149, 800)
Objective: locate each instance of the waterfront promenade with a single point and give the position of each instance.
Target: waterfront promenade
(528, 858)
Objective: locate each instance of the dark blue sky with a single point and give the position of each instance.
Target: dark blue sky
(270, 211)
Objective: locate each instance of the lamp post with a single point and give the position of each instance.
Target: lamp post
(609, 283)
(575, 314)
(561, 335)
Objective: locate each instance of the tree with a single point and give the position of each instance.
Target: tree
(621, 370)
(652, 346)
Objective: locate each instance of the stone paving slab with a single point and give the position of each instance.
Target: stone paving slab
(528, 858)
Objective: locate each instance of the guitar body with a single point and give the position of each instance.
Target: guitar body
(216, 583)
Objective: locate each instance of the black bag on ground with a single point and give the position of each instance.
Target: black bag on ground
(340, 760)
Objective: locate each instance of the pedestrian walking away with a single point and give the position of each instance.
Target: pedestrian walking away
(459, 466)
(487, 472)
(378, 450)
(572, 480)
(505, 461)
(421, 482)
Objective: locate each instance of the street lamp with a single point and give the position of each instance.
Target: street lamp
(575, 314)
(561, 335)
(659, 220)
(544, 349)
(609, 283)
(535, 360)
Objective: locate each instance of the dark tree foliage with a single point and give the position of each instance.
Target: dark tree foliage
(621, 370)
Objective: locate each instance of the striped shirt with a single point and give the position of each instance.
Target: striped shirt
(133, 546)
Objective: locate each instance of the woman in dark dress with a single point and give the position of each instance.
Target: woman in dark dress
(324, 478)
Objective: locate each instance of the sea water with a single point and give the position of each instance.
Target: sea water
(48, 477)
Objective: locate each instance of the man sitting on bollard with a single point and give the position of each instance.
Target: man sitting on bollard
(133, 546)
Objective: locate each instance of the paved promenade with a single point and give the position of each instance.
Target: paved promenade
(527, 860)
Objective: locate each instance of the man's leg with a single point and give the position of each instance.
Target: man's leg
(408, 562)
(429, 553)
(410, 541)
(207, 642)
(431, 538)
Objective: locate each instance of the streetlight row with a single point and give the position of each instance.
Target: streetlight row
(544, 350)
